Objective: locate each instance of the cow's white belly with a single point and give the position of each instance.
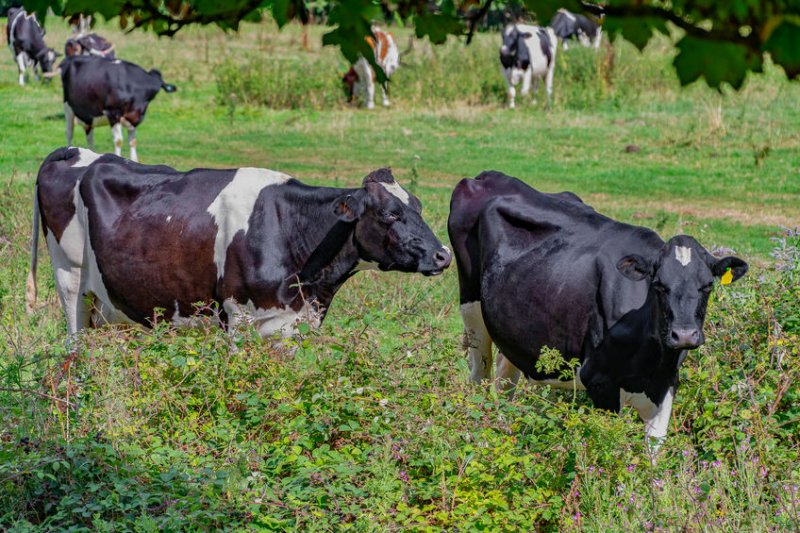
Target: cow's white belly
(281, 321)
(573, 384)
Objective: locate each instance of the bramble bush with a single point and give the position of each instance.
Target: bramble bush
(164, 429)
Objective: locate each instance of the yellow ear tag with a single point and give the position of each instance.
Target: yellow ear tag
(727, 277)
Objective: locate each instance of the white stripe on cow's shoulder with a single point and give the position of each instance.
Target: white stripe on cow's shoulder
(569, 15)
(683, 255)
(397, 191)
(234, 204)
(85, 158)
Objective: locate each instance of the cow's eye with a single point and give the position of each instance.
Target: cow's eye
(706, 288)
(387, 217)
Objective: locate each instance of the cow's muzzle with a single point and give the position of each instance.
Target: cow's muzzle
(685, 339)
(441, 260)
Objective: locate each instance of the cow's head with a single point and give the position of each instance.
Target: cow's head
(389, 229)
(514, 52)
(72, 48)
(349, 81)
(681, 278)
(47, 58)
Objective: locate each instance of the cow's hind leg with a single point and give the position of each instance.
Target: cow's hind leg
(132, 142)
(507, 374)
(477, 342)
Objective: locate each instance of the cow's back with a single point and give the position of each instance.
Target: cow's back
(541, 46)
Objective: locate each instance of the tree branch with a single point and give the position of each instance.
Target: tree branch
(474, 17)
(729, 34)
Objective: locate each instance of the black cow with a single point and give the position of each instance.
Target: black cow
(25, 38)
(571, 25)
(542, 270)
(89, 45)
(99, 91)
(527, 53)
(260, 245)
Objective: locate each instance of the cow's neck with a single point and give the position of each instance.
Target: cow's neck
(636, 339)
(326, 251)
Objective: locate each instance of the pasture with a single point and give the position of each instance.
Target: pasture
(370, 423)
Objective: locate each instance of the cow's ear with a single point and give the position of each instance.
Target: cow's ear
(721, 267)
(349, 207)
(635, 267)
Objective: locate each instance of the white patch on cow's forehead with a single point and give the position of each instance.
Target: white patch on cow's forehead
(683, 255)
(234, 204)
(395, 189)
(85, 158)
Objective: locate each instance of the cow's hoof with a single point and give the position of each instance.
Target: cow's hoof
(386, 103)
(370, 106)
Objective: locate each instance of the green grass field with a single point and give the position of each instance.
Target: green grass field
(370, 423)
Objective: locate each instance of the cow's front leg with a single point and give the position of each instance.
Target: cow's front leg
(385, 95)
(21, 63)
(477, 342)
(507, 75)
(90, 137)
(526, 83)
(116, 134)
(656, 417)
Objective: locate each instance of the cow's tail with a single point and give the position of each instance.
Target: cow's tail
(30, 287)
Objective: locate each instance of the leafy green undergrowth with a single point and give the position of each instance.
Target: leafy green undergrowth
(201, 429)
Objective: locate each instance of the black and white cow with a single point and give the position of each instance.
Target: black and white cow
(25, 38)
(99, 91)
(527, 53)
(545, 270)
(571, 25)
(260, 245)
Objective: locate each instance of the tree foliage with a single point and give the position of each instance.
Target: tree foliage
(722, 41)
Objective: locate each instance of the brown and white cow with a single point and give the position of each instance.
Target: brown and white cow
(258, 244)
(361, 77)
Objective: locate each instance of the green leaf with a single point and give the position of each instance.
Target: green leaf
(437, 26)
(637, 30)
(784, 47)
(717, 62)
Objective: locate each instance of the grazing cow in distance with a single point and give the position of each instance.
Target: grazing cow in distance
(90, 45)
(25, 38)
(260, 245)
(527, 52)
(361, 77)
(99, 91)
(545, 270)
(571, 25)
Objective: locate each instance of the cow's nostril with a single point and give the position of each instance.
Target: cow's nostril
(442, 258)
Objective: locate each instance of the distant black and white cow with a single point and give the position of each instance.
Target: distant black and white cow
(545, 270)
(89, 45)
(25, 38)
(99, 91)
(571, 25)
(262, 246)
(527, 53)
